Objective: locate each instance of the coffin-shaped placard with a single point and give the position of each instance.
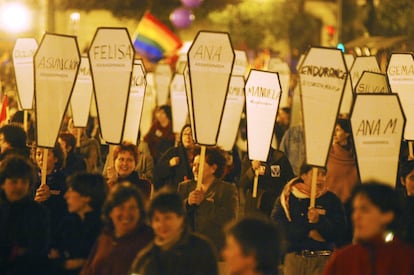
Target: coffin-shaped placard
(361, 64)
(400, 73)
(150, 102)
(282, 68)
(232, 113)
(372, 83)
(348, 96)
(240, 63)
(111, 57)
(23, 52)
(189, 98)
(263, 92)
(377, 124)
(162, 78)
(80, 102)
(322, 78)
(179, 107)
(135, 104)
(210, 62)
(56, 63)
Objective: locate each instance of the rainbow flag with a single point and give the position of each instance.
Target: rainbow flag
(154, 40)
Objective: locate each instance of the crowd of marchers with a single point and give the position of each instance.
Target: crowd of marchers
(160, 207)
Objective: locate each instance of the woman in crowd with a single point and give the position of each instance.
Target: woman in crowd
(79, 230)
(174, 166)
(247, 255)
(342, 175)
(215, 202)
(407, 197)
(160, 136)
(125, 158)
(376, 217)
(174, 250)
(51, 194)
(124, 235)
(24, 223)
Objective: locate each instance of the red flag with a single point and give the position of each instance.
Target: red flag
(4, 116)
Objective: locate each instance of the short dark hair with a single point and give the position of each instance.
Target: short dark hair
(258, 237)
(406, 168)
(128, 147)
(119, 194)
(382, 196)
(166, 109)
(166, 201)
(69, 139)
(91, 185)
(214, 155)
(15, 135)
(17, 167)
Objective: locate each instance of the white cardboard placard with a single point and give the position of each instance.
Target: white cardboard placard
(111, 57)
(373, 83)
(263, 94)
(150, 102)
(80, 101)
(188, 92)
(179, 107)
(348, 96)
(162, 78)
(210, 61)
(56, 65)
(322, 78)
(240, 63)
(23, 52)
(361, 64)
(282, 68)
(232, 113)
(377, 124)
(135, 104)
(400, 73)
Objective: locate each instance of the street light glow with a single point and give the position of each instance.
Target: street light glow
(14, 17)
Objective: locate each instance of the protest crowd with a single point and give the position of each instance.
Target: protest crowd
(166, 205)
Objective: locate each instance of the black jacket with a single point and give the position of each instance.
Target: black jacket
(191, 255)
(24, 227)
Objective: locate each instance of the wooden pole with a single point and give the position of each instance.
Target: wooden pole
(44, 167)
(255, 183)
(313, 186)
(78, 137)
(25, 120)
(201, 167)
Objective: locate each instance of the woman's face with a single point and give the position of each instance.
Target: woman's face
(236, 261)
(340, 136)
(187, 138)
(368, 220)
(76, 202)
(125, 217)
(51, 159)
(166, 225)
(208, 170)
(162, 117)
(408, 183)
(124, 163)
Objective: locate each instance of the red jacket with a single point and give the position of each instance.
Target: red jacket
(375, 258)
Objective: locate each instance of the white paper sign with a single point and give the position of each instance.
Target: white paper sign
(56, 64)
(179, 107)
(263, 94)
(374, 83)
(400, 73)
(210, 61)
(162, 78)
(348, 96)
(377, 124)
(232, 113)
(135, 104)
(322, 78)
(111, 56)
(80, 101)
(150, 102)
(188, 93)
(282, 68)
(361, 64)
(23, 52)
(240, 63)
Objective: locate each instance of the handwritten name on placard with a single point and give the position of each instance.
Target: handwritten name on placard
(57, 63)
(208, 52)
(23, 54)
(367, 88)
(401, 70)
(377, 127)
(112, 52)
(262, 92)
(323, 71)
(138, 80)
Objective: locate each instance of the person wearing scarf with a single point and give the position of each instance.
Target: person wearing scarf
(311, 233)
